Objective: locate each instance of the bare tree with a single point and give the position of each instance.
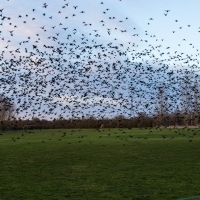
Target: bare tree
(6, 108)
(6, 111)
(162, 106)
(196, 102)
(185, 100)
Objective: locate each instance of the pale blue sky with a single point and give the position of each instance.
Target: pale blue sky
(144, 30)
(138, 13)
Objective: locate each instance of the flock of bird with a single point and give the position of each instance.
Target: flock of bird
(68, 67)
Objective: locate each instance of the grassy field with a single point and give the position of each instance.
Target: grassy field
(104, 164)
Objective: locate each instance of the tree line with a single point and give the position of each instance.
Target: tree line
(141, 121)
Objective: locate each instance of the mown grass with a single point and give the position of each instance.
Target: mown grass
(105, 164)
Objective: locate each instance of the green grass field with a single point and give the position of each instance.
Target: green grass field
(104, 164)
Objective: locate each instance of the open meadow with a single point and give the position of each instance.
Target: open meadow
(100, 164)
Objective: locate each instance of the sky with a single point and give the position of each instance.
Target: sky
(102, 58)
